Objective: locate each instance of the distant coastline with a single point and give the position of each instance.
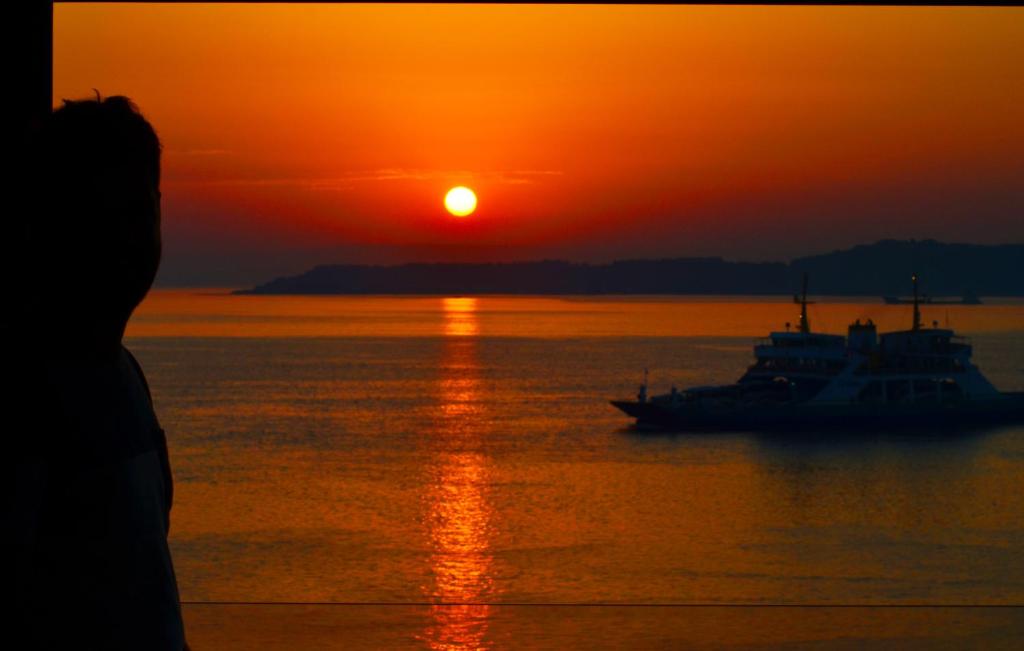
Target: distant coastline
(882, 268)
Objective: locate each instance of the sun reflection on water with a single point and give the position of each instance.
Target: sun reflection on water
(460, 318)
(459, 514)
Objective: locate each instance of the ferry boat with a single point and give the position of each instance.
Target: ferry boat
(920, 376)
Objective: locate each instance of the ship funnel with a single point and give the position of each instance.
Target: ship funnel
(862, 337)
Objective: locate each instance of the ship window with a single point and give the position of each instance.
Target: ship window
(898, 390)
(949, 390)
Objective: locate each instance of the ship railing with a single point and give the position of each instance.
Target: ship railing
(911, 369)
(795, 353)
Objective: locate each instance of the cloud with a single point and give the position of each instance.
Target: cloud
(198, 152)
(520, 177)
(349, 181)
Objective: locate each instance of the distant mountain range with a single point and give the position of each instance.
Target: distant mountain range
(883, 268)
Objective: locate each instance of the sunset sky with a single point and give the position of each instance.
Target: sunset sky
(299, 135)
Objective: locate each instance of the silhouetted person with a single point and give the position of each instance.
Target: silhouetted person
(87, 509)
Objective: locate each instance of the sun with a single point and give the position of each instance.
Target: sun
(460, 201)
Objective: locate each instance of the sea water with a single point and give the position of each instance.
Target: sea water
(461, 450)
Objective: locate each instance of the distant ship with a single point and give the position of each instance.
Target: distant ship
(969, 298)
(920, 376)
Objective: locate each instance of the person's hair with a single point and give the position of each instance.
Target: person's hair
(93, 231)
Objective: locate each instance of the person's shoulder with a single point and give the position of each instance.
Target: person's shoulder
(135, 368)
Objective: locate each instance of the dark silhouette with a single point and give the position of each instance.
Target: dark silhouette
(88, 513)
(869, 270)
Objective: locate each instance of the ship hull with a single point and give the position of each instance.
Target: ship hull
(1008, 408)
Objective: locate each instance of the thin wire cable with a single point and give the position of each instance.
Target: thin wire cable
(521, 604)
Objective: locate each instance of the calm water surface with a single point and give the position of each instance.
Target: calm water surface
(462, 450)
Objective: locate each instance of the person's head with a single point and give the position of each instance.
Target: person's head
(92, 236)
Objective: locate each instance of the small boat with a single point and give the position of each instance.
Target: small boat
(919, 376)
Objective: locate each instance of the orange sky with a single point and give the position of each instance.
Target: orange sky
(296, 135)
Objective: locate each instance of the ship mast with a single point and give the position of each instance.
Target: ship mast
(917, 310)
(805, 325)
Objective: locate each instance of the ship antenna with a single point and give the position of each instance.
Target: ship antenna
(917, 309)
(805, 325)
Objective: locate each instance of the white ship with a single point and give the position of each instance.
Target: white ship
(919, 376)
